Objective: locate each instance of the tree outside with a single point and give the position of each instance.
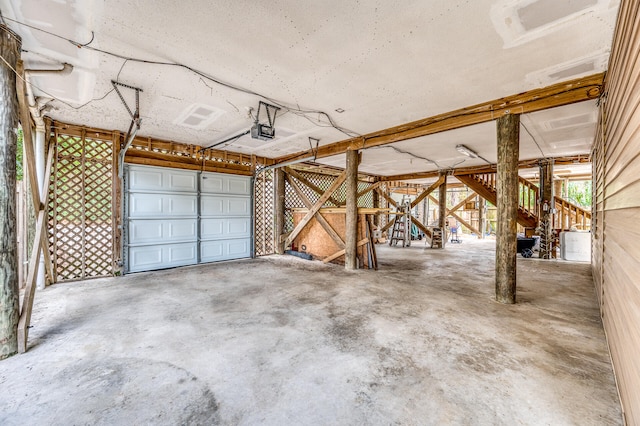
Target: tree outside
(579, 193)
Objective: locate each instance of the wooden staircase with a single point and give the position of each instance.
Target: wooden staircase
(566, 216)
(569, 215)
(484, 184)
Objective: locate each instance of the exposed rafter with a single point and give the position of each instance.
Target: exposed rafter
(569, 92)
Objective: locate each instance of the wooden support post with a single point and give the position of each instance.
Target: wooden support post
(481, 217)
(10, 45)
(376, 201)
(116, 203)
(351, 223)
(557, 187)
(452, 212)
(36, 251)
(442, 208)
(546, 207)
(279, 205)
(508, 127)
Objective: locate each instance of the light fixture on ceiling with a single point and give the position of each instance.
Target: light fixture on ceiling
(339, 110)
(466, 151)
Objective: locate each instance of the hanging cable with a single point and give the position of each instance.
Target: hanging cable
(534, 139)
(296, 110)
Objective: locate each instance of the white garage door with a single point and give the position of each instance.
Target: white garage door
(169, 222)
(225, 217)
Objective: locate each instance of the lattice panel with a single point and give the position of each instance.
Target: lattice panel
(323, 182)
(264, 214)
(366, 200)
(80, 215)
(292, 200)
(384, 204)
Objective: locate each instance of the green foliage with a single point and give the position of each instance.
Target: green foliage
(579, 193)
(19, 169)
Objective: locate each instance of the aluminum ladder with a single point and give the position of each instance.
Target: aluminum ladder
(402, 225)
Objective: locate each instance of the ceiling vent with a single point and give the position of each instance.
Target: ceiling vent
(545, 12)
(576, 120)
(580, 67)
(198, 116)
(521, 21)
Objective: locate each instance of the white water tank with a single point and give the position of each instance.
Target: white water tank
(575, 246)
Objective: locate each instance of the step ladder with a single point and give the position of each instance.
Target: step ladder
(402, 225)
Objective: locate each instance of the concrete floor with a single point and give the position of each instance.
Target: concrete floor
(284, 341)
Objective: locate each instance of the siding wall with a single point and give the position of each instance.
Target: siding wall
(616, 234)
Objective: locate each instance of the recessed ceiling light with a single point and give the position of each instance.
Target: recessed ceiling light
(339, 110)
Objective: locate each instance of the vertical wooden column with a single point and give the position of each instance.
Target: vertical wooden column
(557, 187)
(10, 45)
(116, 203)
(442, 208)
(351, 234)
(508, 127)
(376, 204)
(546, 208)
(278, 175)
(481, 217)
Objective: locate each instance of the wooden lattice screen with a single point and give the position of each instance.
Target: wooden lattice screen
(80, 208)
(323, 182)
(265, 208)
(264, 214)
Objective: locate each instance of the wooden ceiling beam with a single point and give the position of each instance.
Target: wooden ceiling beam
(489, 168)
(559, 94)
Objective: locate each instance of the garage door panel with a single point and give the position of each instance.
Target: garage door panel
(239, 206)
(148, 258)
(217, 228)
(181, 217)
(210, 183)
(154, 179)
(238, 248)
(211, 251)
(239, 186)
(211, 205)
(145, 179)
(216, 250)
(220, 205)
(183, 182)
(220, 184)
(160, 231)
(166, 205)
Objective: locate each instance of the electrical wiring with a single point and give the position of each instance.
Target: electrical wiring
(534, 139)
(283, 105)
(316, 117)
(401, 151)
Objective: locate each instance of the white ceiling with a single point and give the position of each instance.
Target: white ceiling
(383, 62)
